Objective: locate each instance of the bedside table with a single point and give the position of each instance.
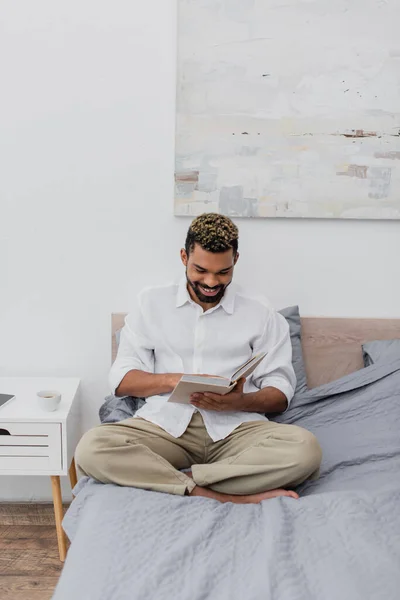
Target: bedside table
(36, 442)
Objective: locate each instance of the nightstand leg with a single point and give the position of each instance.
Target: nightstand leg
(72, 474)
(58, 513)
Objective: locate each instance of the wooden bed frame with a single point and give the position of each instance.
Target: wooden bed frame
(331, 346)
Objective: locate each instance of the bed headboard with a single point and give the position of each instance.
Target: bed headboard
(331, 346)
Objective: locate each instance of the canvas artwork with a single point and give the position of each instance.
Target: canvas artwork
(288, 108)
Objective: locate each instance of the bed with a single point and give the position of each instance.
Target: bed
(340, 540)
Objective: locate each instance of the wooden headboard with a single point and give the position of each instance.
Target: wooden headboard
(331, 346)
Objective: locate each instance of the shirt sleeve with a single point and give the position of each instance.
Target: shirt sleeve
(276, 369)
(135, 350)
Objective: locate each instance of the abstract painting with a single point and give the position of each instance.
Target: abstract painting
(288, 108)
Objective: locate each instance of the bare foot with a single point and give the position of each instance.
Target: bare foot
(248, 499)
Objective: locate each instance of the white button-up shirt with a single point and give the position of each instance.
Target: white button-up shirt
(169, 333)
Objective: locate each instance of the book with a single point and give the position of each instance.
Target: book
(192, 384)
(4, 398)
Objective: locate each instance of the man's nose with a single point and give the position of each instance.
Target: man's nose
(211, 281)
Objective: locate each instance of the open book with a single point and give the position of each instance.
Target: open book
(191, 384)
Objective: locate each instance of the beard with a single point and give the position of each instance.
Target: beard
(202, 297)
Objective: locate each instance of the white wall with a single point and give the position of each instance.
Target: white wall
(87, 151)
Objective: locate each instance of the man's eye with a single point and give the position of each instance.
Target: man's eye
(199, 271)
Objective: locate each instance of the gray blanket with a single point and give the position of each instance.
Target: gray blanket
(341, 540)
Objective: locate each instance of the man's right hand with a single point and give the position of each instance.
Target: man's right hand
(143, 385)
(174, 378)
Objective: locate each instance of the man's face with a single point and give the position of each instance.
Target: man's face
(208, 273)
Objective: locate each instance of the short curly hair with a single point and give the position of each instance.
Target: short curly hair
(213, 232)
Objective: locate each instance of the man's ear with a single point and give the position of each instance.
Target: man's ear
(236, 258)
(184, 257)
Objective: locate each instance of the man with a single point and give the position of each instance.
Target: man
(231, 452)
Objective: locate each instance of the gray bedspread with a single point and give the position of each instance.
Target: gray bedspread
(341, 540)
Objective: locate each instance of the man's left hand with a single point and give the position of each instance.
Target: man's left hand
(235, 400)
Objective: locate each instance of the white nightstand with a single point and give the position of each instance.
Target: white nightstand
(36, 442)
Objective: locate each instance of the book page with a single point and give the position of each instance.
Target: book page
(210, 380)
(248, 367)
(184, 389)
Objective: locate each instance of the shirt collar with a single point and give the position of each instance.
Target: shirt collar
(227, 302)
(182, 295)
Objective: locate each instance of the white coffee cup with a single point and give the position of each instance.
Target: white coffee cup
(49, 400)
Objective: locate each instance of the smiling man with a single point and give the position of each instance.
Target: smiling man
(204, 325)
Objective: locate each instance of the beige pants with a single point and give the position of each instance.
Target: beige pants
(255, 457)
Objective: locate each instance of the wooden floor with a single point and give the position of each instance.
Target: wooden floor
(29, 561)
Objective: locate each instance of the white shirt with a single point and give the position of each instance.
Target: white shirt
(169, 333)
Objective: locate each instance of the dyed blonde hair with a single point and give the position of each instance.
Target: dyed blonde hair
(213, 232)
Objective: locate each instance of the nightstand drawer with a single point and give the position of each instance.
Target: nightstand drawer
(30, 446)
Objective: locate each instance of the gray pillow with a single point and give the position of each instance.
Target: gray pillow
(380, 350)
(292, 316)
